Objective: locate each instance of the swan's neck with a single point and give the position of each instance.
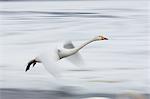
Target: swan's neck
(66, 52)
(84, 44)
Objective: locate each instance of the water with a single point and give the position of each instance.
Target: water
(114, 66)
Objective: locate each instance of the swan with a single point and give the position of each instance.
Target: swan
(50, 60)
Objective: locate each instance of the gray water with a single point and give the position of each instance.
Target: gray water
(114, 66)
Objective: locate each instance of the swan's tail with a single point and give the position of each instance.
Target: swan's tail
(33, 61)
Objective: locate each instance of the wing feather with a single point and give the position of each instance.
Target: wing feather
(50, 62)
(76, 59)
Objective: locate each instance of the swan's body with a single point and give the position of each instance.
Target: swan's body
(67, 49)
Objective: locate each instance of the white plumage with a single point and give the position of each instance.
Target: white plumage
(66, 50)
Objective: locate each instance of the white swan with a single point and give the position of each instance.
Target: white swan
(67, 49)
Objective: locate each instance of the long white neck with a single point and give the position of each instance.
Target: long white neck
(83, 45)
(66, 53)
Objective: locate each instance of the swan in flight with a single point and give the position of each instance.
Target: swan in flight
(66, 50)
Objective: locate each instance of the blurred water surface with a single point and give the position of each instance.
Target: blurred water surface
(113, 66)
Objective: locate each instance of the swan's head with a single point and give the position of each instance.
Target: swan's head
(101, 38)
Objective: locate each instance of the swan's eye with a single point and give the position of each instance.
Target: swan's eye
(100, 37)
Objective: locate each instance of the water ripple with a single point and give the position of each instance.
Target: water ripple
(62, 14)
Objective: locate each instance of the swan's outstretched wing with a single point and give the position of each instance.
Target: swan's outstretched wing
(50, 62)
(76, 58)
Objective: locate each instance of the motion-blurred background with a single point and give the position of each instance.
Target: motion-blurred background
(112, 67)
